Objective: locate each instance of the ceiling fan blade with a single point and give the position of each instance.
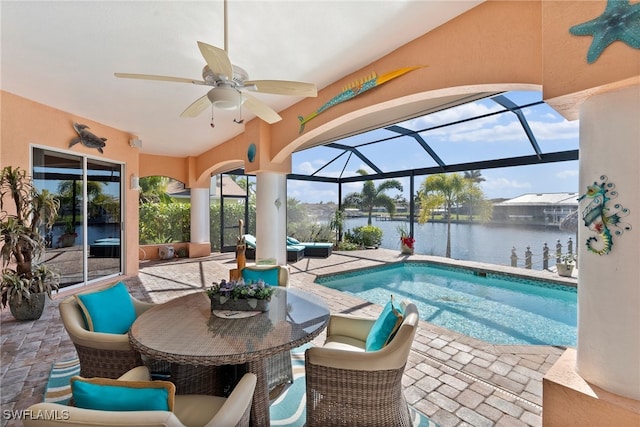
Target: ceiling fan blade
(161, 78)
(283, 87)
(260, 109)
(197, 107)
(217, 60)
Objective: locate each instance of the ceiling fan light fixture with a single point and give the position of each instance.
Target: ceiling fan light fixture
(225, 98)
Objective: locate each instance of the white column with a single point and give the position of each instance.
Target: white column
(271, 217)
(608, 353)
(200, 215)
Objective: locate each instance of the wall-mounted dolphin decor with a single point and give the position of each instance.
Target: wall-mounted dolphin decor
(87, 138)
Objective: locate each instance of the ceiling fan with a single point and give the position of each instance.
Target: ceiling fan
(229, 84)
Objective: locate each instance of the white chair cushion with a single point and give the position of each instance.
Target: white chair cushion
(340, 342)
(195, 409)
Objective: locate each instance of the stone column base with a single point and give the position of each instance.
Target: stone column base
(569, 400)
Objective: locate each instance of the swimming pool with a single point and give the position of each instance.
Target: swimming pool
(495, 308)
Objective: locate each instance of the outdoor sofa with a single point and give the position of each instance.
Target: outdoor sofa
(294, 252)
(313, 249)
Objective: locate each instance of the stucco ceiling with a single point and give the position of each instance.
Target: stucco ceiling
(64, 54)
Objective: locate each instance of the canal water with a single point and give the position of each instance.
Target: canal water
(474, 242)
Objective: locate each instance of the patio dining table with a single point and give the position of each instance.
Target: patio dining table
(185, 331)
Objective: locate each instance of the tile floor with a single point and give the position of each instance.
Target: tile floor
(454, 379)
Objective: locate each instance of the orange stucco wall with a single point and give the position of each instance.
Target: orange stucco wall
(26, 123)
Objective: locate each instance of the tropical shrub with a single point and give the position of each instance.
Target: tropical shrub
(366, 235)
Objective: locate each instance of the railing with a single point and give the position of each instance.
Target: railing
(543, 257)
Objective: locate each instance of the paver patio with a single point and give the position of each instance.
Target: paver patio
(454, 379)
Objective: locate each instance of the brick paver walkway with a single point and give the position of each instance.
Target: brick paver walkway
(454, 379)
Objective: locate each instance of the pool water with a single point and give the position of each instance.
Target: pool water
(495, 308)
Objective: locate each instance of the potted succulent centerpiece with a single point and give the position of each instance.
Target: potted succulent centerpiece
(240, 295)
(566, 264)
(25, 279)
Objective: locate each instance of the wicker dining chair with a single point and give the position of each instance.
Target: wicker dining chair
(349, 386)
(188, 410)
(279, 368)
(101, 354)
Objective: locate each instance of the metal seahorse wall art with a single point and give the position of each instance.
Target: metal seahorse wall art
(602, 216)
(356, 88)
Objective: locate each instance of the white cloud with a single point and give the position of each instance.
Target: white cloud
(454, 114)
(311, 192)
(570, 173)
(504, 183)
(558, 130)
(308, 167)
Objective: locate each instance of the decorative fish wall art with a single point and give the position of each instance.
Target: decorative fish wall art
(87, 138)
(602, 216)
(356, 88)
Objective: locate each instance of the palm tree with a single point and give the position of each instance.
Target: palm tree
(372, 196)
(153, 189)
(474, 176)
(437, 190)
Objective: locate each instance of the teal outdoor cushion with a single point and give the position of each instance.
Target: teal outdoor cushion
(108, 310)
(292, 241)
(106, 394)
(268, 275)
(384, 328)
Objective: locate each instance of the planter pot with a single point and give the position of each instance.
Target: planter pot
(31, 309)
(67, 240)
(240, 305)
(406, 249)
(564, 269)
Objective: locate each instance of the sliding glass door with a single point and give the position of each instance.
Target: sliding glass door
(84, 244)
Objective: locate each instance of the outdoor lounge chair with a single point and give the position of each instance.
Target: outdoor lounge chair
(294, 252)
(347, 385)
(313, 249)
(188, 410)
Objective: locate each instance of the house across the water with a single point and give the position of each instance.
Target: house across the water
(540, 209)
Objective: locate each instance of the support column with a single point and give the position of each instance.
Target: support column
(599, 384)
(609, 286)
(271, 217)
(199, 245)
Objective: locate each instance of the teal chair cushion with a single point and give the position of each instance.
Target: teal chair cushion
(384, 328)
(108, 310)
(106, 394)
(268, 275)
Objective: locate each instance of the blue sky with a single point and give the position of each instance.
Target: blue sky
(496, 136)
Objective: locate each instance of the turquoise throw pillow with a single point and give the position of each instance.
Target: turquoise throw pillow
(108, 310)
(384, 327)
(268, 275)
(105, 394)
(292, 241)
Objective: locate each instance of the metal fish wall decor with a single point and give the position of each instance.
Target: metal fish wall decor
(87, 138)
(356, 88)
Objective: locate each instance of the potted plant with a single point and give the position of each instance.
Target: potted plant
(406, 241)
(25, 280)
(240, 295)
(69, 237)
(566, 264)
